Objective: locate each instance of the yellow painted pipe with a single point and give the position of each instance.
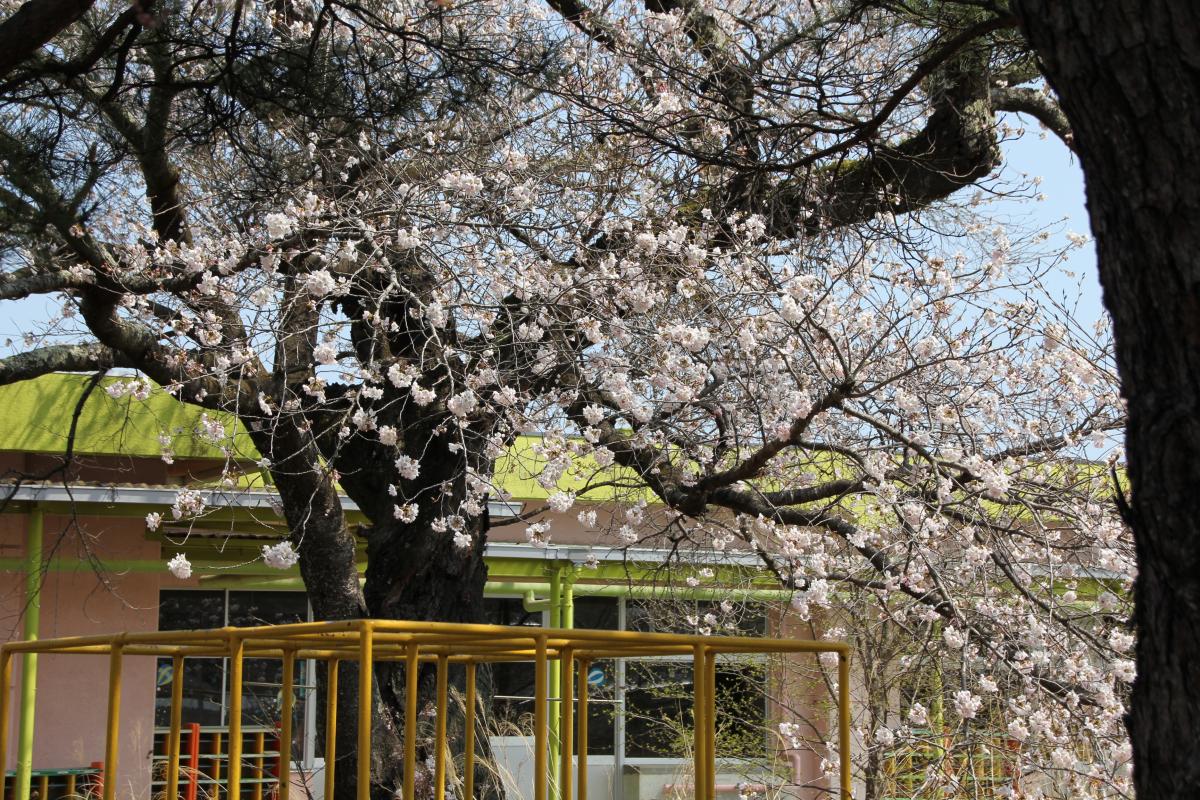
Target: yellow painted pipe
(363, 790)
(439, 738)
(44, 787)
(411, 673)
(285, 724)
(554, 720)
(567, 705)
(331, 692)
(844, 723)
(112, 734)
(583, 728)
(710, 737)
(700, 722)
(234, 768)
(260, 744)
(216, 767)
(6, 670)
(176, 726)
(469, 736)
(540, 723)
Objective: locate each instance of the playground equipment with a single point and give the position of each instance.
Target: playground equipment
(444, 644)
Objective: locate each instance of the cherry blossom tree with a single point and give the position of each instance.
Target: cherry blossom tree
(738, 260)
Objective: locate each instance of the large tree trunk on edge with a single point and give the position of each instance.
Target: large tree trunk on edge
(1128, 75)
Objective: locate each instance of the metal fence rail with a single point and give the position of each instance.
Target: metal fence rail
(369, 641)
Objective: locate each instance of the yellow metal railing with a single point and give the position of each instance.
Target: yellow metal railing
(443, 644)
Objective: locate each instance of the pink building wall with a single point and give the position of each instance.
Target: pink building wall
(72, 690)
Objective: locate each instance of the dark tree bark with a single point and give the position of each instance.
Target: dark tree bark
(1128, 76)
(33, 25)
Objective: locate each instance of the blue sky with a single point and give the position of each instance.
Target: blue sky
(1046, 156)
(1035, 154)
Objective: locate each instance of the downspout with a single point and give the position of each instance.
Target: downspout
(554, 674)
(33, 608)
(561, 605)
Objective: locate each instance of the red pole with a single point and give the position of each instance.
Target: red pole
(97, 779)
(193, 760)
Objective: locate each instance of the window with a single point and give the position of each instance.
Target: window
(659, 693)
(206, 680)
(644, 703)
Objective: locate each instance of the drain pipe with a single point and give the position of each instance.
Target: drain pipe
(33, 608)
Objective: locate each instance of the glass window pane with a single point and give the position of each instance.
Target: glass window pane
(247, 609)
(602, 709)
(202, 691)
(659, 700)
(658, 708)
(189, 610)
(688, 616)
(741, 709)
(597, 613)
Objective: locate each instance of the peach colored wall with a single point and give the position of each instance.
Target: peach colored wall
(72, 690)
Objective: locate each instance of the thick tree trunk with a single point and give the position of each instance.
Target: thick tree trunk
(1128, 76)
(414, 572)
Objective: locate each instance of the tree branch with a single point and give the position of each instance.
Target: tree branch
(1038, 105)
(33, 25)
(92, 357)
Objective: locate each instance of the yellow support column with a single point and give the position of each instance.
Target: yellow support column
(582, 738)
(566, 701)
(411, 673)
(331, 691)
(112, 734)
(176, 726)
(285, 724)
(237, 648)
(365, 657)
(469, 731)
(710, 738)
(699, 717)
(844, 723)
(216, 765)
(439, 737)
(540, 723)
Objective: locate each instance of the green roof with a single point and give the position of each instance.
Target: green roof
(35, 417)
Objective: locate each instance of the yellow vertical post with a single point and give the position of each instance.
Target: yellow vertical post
(70, 785)
(439, 737)
(29, 663)
(285, 724)
(699, 713)
(260, 744)
(237, 647)
(112, 734)
(331, 692)
(6, 662)
(411, 672)
(469, 736)
(844, 723)
(582, 738)
(44, 786)
(710, 737)
(553, 740)
(566, 701)
(540, 723)
(176, 726)
(216, 768)
(365, 657)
